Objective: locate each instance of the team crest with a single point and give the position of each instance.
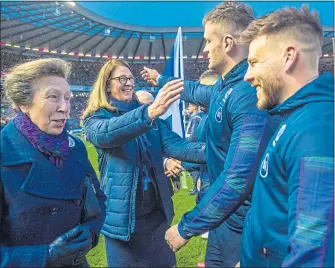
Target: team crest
(280, 132)
(218, 115)
(265, 167)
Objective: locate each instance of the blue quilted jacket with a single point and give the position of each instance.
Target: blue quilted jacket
(115, 137)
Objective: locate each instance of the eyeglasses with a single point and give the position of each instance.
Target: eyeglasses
(124, 79)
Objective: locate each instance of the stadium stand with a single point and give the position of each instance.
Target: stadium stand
(37, 29)
(87, 44)
(84, 74)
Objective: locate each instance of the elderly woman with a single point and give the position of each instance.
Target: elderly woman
(52, 207)
(131, 141)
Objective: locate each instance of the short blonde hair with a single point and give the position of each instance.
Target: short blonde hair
(98, 97)
(19, 81)
(299, 23)
(236, 15)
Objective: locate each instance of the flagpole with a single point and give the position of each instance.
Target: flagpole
(182, 72)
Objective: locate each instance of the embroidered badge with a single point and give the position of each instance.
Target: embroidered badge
(218, 115)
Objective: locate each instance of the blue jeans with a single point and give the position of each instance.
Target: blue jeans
(142, 250)
(223, 247)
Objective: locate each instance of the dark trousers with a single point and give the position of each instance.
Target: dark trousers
(223, 247)
(142, 250)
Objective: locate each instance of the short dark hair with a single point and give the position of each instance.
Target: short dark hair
(300, 23)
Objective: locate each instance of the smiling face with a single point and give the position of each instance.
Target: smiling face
(50, 106)
(119, 91)
(214, 47)
(265, 72)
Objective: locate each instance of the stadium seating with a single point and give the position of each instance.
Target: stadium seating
(84, 73)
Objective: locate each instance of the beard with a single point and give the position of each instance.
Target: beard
(270, 92)
(218, 60)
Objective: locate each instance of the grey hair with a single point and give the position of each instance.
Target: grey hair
(209, 74)
(19, 81)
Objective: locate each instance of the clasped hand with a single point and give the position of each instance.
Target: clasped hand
(70, 248)
(173, 238)
(173, 168)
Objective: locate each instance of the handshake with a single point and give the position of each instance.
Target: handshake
(70, 248)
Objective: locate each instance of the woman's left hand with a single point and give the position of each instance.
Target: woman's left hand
(70, 248)
(84, 234)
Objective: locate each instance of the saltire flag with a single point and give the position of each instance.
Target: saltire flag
(175, 68)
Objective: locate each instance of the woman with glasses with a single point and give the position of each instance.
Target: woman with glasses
(131, 140)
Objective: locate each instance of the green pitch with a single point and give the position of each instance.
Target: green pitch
(188, 256)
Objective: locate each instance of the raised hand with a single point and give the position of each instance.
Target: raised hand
(165, 97)
(150, 76)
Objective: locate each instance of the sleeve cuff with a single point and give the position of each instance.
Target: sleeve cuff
(161, 81)
(158, 78)
(164, 163)
(184, 165)
(182, 233)
(24, 256)
(146, 117)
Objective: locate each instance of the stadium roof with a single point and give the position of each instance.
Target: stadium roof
(81, 30)
(183, 13)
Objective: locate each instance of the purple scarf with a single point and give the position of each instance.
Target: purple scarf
(55, 148)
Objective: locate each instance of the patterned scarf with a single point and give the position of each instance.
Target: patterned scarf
(55, 148)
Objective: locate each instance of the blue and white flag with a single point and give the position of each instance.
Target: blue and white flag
(175, 68)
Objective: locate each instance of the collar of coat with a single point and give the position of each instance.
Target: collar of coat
(44, 179)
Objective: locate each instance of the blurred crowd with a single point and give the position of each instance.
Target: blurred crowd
(84, 73)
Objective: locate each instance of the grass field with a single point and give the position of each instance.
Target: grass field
(188, 256)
